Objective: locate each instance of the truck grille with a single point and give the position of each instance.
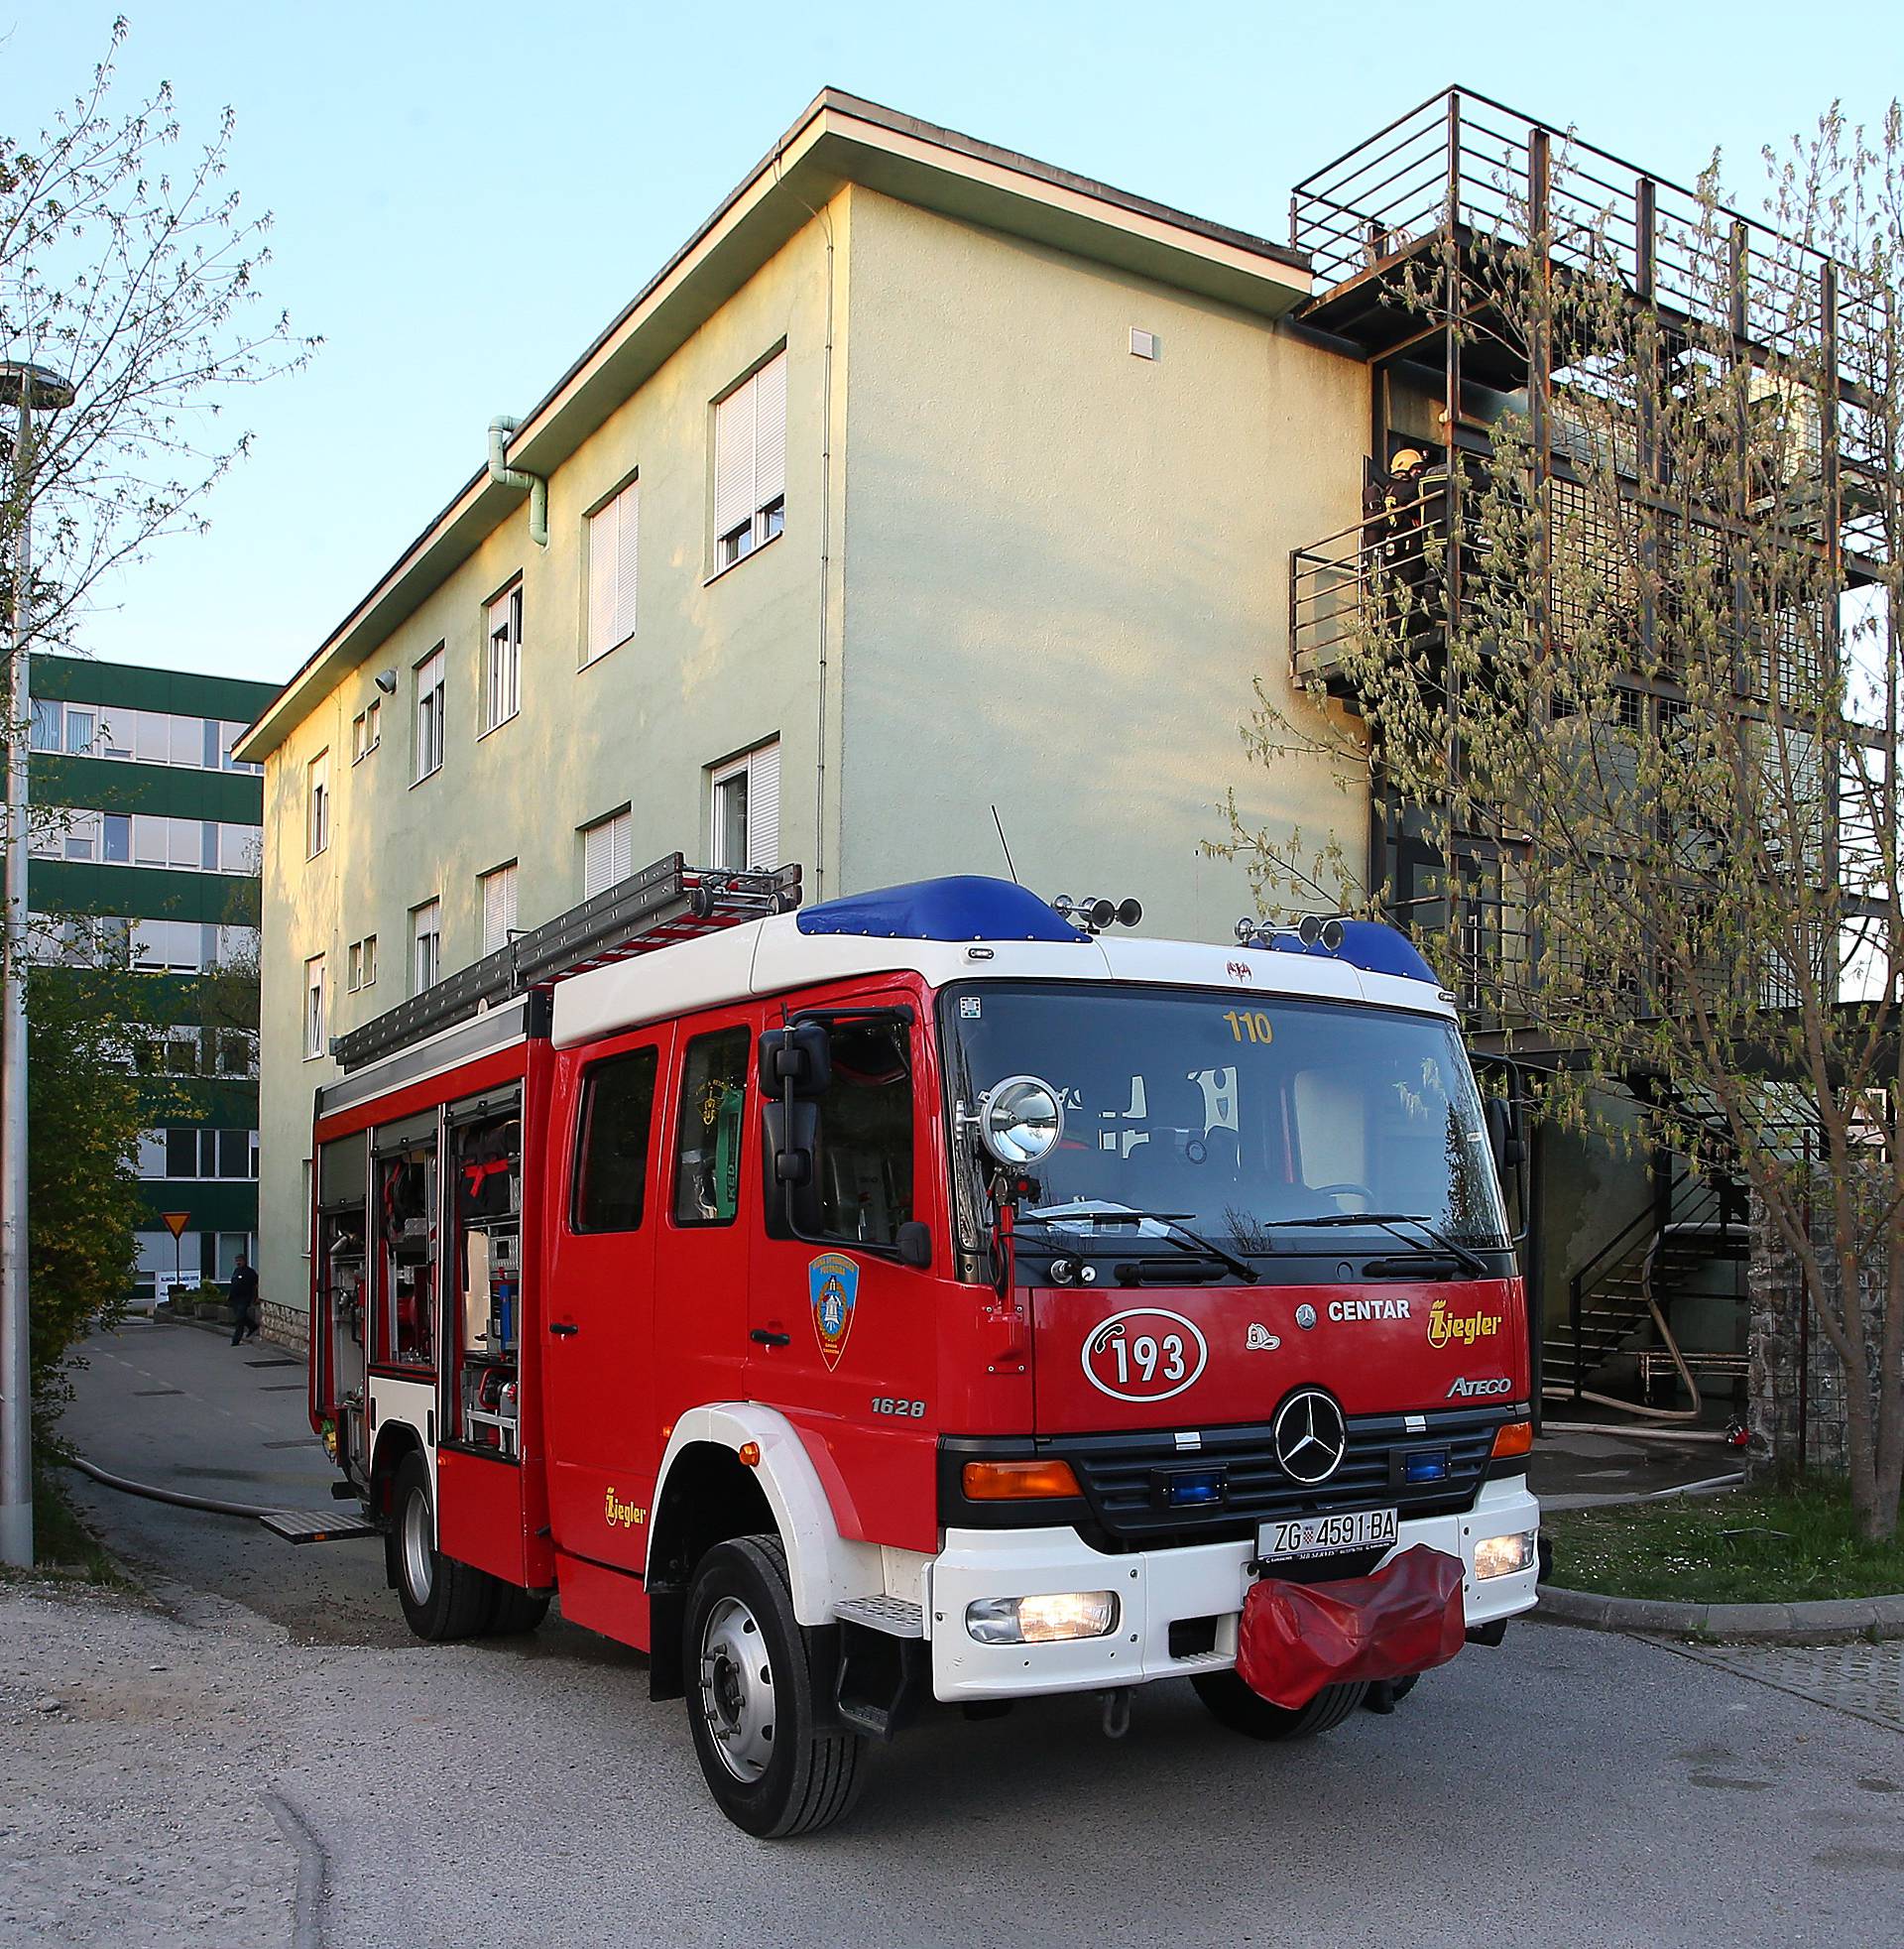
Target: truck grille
(1124, 1477)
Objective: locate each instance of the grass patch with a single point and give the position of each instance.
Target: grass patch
(61, 1541)
(1766, 1548)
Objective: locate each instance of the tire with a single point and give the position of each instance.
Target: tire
(515, 1611)
(755, 1712)
(442, 1599)
(1231, 1703)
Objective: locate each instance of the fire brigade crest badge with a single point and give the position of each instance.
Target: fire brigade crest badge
(833, 1282)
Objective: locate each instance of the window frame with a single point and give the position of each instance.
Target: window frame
(316, 804)
(316, 1039)
(606, 824)
(766, 520)
(677, 1148)
(435, 908)
(623, 505)
(366, 731)
(741, 765)
(502, 673)
(509, 878)
(428, 717)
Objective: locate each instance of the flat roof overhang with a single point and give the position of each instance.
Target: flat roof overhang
(839, 140)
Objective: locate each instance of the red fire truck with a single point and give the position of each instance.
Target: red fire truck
(929, 1295)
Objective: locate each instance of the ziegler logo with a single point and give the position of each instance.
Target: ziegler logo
(627, 1515)
(1445, 1327)
(1465, 1389)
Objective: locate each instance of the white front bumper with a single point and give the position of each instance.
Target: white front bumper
(1157, 1588)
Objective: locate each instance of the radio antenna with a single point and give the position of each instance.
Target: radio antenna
(1006, 844)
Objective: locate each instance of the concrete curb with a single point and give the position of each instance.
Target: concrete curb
(1831, 1620)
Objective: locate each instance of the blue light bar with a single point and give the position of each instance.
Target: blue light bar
(1429, 1467)
(1368, 945)
(1193, 1491)
(963, 906)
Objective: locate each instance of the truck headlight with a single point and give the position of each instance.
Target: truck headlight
(1503, 1556)
(1042, 1619)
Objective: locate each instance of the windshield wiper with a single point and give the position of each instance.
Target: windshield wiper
(1388, 1221)
(1179, 1235)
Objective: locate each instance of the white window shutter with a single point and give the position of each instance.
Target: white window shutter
(622, 865)
(604, 578)
(764, 807)
(628, 521)
(734, 459)
(498, 907)
(597, 855)
(769, 435)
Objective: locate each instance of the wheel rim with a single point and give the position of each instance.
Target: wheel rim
(737, 1689)
(419, 1553)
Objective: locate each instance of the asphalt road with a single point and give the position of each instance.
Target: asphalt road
(1570, 1786)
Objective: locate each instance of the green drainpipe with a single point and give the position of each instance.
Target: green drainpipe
(500, 471)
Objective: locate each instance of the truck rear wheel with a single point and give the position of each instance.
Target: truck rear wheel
(516, 1612)
(442, 1598)
(752, 1705)
(1235, 1705)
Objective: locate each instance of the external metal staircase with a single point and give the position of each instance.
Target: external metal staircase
(1620, 1302)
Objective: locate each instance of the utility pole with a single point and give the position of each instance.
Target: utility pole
(31, 388)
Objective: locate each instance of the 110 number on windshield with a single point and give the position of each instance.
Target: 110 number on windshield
(1249, 1024)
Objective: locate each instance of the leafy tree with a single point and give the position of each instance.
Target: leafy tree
(1614, 685)
(87, 1027)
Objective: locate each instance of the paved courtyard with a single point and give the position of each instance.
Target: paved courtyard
(1572, 1786)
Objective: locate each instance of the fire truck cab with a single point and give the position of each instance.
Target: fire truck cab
(924, 1295)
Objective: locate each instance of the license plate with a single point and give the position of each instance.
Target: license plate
(1326, 1536)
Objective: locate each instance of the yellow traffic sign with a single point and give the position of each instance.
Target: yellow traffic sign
(177, 1221)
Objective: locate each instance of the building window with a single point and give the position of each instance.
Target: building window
(750, 463)
(605, 853)
(612, 534)
(315, 1043)
(744, 824)
(237, 1051)
(193, 1153)
(364, 732)
(151, 737)
(316, 805)
(498, 890)
(425, 935)
(361, 965)
(430, 714)
(503, 659)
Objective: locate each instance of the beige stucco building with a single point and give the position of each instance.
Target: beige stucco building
(924, 479)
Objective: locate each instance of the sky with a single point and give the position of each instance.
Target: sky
(464, 195)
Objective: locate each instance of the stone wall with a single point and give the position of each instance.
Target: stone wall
(1791, 1362)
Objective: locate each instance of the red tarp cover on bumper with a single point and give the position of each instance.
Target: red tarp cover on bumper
(1295, 1639)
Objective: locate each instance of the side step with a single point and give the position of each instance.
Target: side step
(893, 1615)
(317, 1526)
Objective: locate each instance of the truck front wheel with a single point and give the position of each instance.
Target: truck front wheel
(1235, 1705)
(753, 1704)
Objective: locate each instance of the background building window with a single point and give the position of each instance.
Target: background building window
(612, 532)
(425, 934)
(750, 463)
(315, 1043)
(430, 714)
(361, 967)
(498, 890)
(364, 732)
(605, 853)
(503, 659)
(744, 826)
(316, 805)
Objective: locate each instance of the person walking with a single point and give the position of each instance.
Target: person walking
(244, 1301)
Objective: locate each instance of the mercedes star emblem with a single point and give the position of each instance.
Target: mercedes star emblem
(1310, 1436)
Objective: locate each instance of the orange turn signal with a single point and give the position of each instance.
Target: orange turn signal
(1515, 1438)
(1008, 1482)
(750, 1453)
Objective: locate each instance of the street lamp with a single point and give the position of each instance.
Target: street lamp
(29, 389)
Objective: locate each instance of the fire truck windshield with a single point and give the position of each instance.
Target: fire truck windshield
(1238, 1117)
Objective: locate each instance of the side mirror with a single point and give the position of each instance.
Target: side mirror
(798, 1058)
(913, 1243)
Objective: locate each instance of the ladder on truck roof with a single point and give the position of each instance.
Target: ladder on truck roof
(663, 904)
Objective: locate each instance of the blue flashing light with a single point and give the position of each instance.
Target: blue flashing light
(963, 906)
(1193, 1491)
(1431, 1466)
(1370, 945)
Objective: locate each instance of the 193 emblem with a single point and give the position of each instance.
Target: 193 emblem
(1143, 1354)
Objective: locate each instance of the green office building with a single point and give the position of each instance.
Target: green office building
(145, 821)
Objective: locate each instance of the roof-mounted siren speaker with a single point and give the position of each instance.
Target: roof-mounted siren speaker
(1312, 927)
